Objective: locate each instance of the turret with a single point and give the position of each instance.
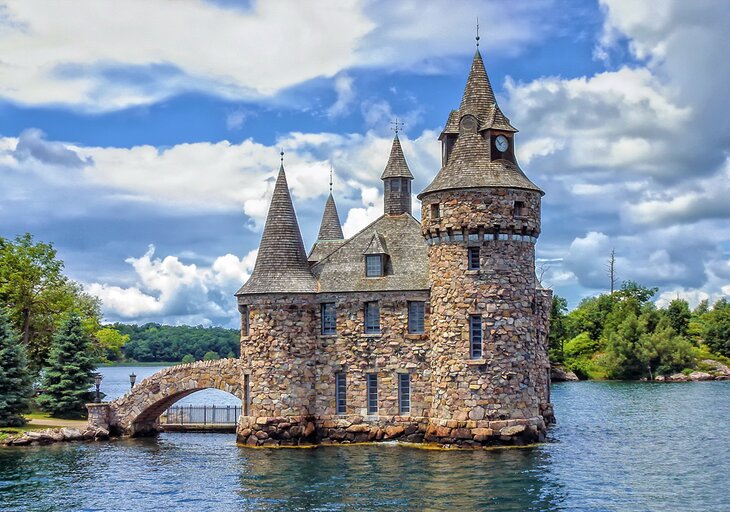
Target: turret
(481, 219)
(397, 179)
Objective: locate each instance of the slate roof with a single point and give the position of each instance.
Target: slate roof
(470, 166)
(377, 245)
(281, 263)
(330, 228)
(406, 265)
(397, 167)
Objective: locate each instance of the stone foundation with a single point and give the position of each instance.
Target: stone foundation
(311, 431)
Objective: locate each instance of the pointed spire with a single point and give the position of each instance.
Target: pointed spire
(330, 229)
(397, 167)
(478, 94)
(281, 264)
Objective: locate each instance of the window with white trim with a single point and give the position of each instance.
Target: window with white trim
(373, 265)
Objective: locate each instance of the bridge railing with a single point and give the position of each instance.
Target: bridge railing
(201, 415)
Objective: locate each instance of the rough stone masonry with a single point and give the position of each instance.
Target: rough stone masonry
(432, 331)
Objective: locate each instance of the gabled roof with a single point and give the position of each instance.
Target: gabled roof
(406, 267)
(470, 166)
(330, 228)
(281, 263)
(397, 167)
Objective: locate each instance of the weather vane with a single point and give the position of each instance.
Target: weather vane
(477, 31)
(397, 125)
(282, 156)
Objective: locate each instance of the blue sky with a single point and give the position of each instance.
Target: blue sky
(142, 138)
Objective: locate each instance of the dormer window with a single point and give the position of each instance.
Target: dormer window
(374, 265)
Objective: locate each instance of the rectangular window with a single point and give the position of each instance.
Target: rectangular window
(406, 186)
(373, 265)
(329, 318)
(416, 317)
(395, 185)
(341, 392)
(475, 336)
(372, 318)
(244, 319)
(372, 393)
(246, 394)
(404, 393)
(519, 208)
(474, 258)
(435, 211)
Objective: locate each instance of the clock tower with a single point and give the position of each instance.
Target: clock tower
(481, 220)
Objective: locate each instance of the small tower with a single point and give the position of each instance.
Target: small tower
(330, 235)
(397, 179)
(276, 317)
(481, 219)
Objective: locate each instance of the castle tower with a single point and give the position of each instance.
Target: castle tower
(276, 319)
(481, 219)
(397, 179)
(330, 235)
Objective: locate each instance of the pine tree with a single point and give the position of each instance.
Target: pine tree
(69, 375)
(15, 380)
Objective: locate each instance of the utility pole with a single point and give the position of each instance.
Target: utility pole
(611, 270)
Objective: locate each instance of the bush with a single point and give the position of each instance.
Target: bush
(188, 358)
(211, 356)
(580, 345)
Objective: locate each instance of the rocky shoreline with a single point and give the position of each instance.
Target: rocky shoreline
(56, 435)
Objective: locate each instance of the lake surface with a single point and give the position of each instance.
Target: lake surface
(617, 447)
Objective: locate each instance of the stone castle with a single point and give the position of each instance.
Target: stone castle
(432, 331)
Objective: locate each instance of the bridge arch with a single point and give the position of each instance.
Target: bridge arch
(137, 412)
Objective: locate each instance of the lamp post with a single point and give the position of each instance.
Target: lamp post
(97, 382)
(132, 380)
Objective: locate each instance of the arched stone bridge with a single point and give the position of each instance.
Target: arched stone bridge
(137, 412)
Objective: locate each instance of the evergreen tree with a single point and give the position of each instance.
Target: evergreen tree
(15, 380)
(69, 375)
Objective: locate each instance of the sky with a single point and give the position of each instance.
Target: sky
(142, 138)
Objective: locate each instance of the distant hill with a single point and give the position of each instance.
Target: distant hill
(154, 342)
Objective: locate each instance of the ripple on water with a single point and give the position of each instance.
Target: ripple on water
(617, 447)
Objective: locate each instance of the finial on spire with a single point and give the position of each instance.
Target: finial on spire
(477, 31)
(397, 125)
(331, 178)
(282, 156)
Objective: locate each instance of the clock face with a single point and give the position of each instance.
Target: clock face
(502, 143)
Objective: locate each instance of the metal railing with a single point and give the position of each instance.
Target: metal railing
(201, 415)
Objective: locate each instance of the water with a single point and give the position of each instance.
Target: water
(618, 447)
(116, 383)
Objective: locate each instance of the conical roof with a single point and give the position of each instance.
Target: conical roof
(281, 263)
(330, 229)
(478, 93)
(397, 167)
(470, 166)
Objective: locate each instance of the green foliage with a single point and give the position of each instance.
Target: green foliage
(679, 316)
(625, 358)
(633, 290)
(717, 328)
(666, 352)
(39, 296)
(580, 345)
(557, 326)
(155, 342)
(211, 356)
(69, 376)
(111, 341)
(188, 358)
(15, 379)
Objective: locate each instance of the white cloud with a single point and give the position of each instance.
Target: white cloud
(345, 94)
(98, 56)
(177, 292)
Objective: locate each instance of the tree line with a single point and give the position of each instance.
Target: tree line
(623, 335)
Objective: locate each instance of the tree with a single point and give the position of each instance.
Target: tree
(679, 315)
(632, 289)
(211, 356)
(39, 296)
(717, 328)
(15, 379)
(69, 376)
(624, 356)
(611, 270)
(188, 358)
(557, 333)
(110, 343)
